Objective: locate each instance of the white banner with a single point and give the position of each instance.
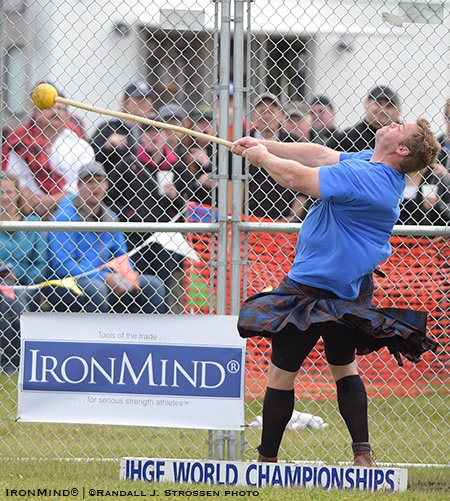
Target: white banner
(177, 371)
(253, 474)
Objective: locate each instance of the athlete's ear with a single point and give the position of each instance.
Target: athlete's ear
(403, 151)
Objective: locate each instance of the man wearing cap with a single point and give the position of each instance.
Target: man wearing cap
(172, 114)
(267, 198)
(195, 182)
(89, 257)
(138, 99)
(297, 121)
(322, 116)
(382, 107)
(117, 136)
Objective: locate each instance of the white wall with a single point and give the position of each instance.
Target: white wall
(76, 44)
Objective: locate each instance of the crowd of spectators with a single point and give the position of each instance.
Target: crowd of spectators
(129, 172)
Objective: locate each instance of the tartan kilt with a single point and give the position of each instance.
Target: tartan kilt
(402, 331)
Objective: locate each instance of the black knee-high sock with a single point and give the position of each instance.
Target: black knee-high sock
(352, 401)
(277, 411)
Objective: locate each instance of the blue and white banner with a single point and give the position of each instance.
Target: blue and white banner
(146, 370)
(254, 475)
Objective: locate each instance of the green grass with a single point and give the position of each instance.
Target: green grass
(424, 483)
(401, 428)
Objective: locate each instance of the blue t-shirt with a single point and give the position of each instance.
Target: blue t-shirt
(346, 234)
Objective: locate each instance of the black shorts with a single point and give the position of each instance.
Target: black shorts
(291, 346)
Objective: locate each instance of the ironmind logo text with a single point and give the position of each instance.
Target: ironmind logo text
(141, 369)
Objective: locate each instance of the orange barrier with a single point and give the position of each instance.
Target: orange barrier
(417, 276)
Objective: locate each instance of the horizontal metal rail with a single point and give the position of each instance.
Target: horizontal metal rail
(244, 227)
(413, 230)
(102, 227)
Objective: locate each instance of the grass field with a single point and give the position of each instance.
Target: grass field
(403, 430)
(425, 484)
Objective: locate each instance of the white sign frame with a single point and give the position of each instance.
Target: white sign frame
(46, 396)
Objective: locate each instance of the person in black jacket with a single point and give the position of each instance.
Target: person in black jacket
(195, 180)
(137, 99)
(421, 204)
(134, 195)
(266, 198)
(382, 107)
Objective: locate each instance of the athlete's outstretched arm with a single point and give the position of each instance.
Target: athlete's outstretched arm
(310, 154)
(288, 173)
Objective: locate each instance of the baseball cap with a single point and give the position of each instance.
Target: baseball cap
(384, 92)
(267, 96)
(90, 170)
(296, 109)
(201, 112)
(171, 111)
(138, 89)
(321, 99)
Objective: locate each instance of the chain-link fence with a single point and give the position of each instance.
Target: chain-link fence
(104, 214)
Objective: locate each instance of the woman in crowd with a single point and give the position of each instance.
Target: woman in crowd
(23, 257)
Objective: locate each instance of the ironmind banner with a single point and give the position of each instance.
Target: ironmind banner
(177, 371)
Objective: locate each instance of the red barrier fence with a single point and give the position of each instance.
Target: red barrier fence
(417, 276)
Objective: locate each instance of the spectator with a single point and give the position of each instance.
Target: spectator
(46, 154)
(440, 172)
(171, 114)
(195, 182)
(160, 160)
(444, 138)
(322, 117)
(117, 137)
(138, 99)
(23, 261)
(421, 204)
(439, 176)
(266, 198)
(382, 107)
(297, 123)
(86, 256)
(132, 163)
(74, 121)
(200, 119)
(143, 200)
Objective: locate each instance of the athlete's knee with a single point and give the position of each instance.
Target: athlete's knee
(340, 371)
(280, 379)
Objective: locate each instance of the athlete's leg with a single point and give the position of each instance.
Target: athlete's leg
(289, 349)
(352, 397)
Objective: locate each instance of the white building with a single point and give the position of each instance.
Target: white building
(92, 49)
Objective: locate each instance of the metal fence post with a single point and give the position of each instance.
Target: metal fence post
(237, 177)
(222, 265)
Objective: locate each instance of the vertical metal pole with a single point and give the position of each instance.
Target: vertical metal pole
(2, 73)
(237, 176)
(223, 156)
(224, 75)
(219, 445)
